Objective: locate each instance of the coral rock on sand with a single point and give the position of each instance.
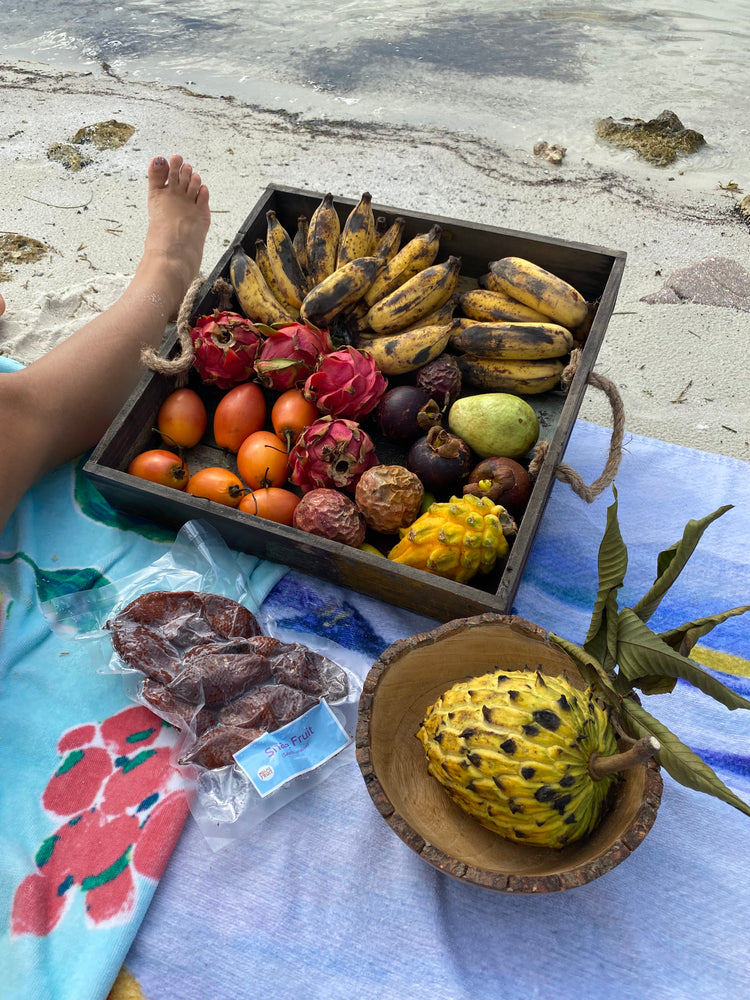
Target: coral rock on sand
(714, 281)
(660, 140)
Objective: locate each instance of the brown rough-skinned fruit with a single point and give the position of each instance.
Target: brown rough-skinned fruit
(330, 514)
(390, 497)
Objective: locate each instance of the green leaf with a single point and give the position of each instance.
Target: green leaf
(642, 654)
(685, 636)
(671, 562)
(677, 759)
(601, 639)
(592, 672)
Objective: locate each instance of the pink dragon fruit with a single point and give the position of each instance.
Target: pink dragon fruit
(289, 355)
(346, 383)
(332, 453)
(226, 345)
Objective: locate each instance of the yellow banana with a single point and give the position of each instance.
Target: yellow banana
(416, 298)
(486, 304)
(290, 281)
(540, 289)
(323, 241)
(523, 378)
(299, 243)
(358, 233)
(420, 252)
(389, 242)
(256, 299)
(341, 289)
(407, 351)
(531, 341)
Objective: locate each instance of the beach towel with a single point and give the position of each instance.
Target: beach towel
(325, 901)
(322, 899)
(90, 805)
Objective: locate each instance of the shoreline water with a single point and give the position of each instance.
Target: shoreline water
(677, 367)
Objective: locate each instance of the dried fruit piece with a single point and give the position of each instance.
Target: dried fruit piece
(218, 672)
(217, 747)
(270, 706)
(151, 633)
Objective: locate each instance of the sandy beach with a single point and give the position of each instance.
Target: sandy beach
(678, 367)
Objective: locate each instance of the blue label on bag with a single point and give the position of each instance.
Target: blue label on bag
(300, 746)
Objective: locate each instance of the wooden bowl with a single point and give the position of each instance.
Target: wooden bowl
(409, 676)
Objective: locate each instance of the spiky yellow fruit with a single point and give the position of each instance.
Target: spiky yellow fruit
(513, 749)
(456, 539)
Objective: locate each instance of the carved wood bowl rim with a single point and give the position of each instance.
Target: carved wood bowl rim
(390, 758)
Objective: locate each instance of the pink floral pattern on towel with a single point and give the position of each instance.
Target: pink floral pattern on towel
(120, 801)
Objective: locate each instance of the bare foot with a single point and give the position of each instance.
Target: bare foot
(179, 218)
(2, 305)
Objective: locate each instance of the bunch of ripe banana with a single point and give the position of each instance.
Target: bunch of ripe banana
(359, 280)
(517, 328)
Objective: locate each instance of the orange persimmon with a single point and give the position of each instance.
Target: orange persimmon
(182, 418)
(263, 460)
(271, 503)
(157, 465)
(240, 412)
(218, 484)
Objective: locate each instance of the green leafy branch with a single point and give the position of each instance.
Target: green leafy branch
(621, 653)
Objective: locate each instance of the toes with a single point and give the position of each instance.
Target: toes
(194, 185)
(158, 170)
(176, 168)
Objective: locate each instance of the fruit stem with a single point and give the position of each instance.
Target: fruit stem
(600, 766)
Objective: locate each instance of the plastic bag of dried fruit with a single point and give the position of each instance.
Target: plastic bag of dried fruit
(261, 720)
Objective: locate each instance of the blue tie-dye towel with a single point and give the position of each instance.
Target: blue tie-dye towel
(324, 901)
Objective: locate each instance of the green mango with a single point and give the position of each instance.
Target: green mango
(495, 423)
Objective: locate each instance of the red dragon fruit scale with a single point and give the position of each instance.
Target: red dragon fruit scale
(226, 346)
(332, 452)
(346, 383)
(289, 355)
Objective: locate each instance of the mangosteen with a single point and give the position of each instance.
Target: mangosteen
(406, 412)
(441, 379)
(504, 481)
(440, 459)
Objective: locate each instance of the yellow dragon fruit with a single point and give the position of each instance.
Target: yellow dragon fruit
(456, 539)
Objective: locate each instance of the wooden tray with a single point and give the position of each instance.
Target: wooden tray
(594, 271)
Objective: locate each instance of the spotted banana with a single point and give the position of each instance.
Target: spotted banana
(358, 233)
(429, 289)
(531, 341)
(290, 281)
(256, 299)
(337, 292)
(407, 351)
(486, 304)
(523, 378)
(540, 289)
(418, 253)
(323, 235)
